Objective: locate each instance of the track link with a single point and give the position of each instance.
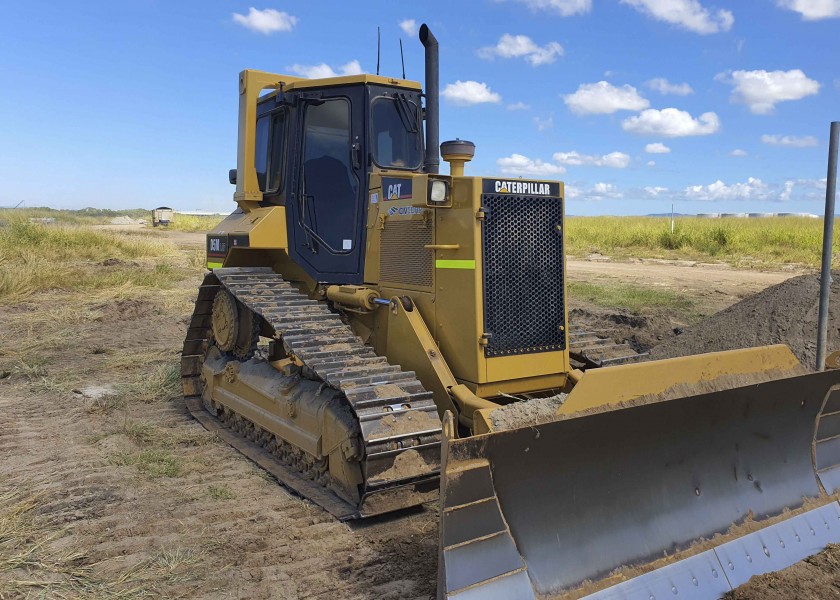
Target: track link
(394, 411)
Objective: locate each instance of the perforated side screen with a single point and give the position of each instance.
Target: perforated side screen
(524, 305)
(403, 259)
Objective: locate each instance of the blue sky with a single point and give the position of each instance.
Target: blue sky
(718, 106)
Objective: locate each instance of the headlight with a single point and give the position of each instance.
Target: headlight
(438, 191)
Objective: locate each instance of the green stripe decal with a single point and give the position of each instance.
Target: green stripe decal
(455, 264)
(214, 265)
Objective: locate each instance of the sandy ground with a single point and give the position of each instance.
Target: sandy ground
(714, 286)
(149, 503)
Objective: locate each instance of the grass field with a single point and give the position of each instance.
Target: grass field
(85, 216)
(629, 297)
(745, 243)
(103, 216)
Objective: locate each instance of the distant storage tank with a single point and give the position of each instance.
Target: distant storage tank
(162, 215)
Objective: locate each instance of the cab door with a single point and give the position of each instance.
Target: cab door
(328, 207)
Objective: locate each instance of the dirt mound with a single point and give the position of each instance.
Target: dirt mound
(782, 314)
(640, 331)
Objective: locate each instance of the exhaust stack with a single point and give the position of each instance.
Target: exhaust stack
(430, 43)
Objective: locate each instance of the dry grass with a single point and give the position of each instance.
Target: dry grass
(31, 564)
(194, 222)
(36, 258)
(85, 216)
(742, 242)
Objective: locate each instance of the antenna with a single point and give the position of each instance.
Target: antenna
(402, 58)
(378, 44)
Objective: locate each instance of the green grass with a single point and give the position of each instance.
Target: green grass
(36, 257)
(220, 492)
(154, 463)
(768, 241)
(629, 297)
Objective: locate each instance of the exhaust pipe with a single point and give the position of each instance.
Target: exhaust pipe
(429, 42)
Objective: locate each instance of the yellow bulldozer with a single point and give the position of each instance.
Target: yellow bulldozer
(377, 335)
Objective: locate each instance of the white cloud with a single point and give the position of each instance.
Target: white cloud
(266, 21)
(518, 106)
(655, 190)
(651, 163)
(752, 189)
(572, 191)
(792, 141)
(813, 10)
(521, 46)
(615, 160)
(671, 122)
(657, 148)
(688, 14)
(762, 90)
(409, 26)
(564, 8)
(604, 98)
(663, 86)
(605, 190)
(738, 152)
(324, 70)
(516, 164)
(543, 124)
(468, 93)
(785, 195)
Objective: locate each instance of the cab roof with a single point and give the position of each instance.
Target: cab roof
(297, 83)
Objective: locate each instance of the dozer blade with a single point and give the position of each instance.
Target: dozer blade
(668, 495)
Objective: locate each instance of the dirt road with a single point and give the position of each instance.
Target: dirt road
(714, 286)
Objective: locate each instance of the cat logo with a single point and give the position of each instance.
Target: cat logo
(396, 188)
(503, 190)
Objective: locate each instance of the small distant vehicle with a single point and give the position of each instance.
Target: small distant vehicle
(162, 215)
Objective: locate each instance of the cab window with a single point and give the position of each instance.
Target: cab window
(261, 150)
(277, 159)
(396, 133)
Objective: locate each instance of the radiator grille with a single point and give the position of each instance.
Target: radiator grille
(403, 259)
(523, 274)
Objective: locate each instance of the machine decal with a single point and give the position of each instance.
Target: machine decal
(396, 189)
(405, 210)
(374, 197)
(219, 244)
(455, 264)
(522, 188)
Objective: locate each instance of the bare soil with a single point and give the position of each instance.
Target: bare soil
(815, 578)
(151, 502)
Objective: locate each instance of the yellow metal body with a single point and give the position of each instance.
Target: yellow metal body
(431, 255)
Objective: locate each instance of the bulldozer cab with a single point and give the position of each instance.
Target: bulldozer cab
(314, 147)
